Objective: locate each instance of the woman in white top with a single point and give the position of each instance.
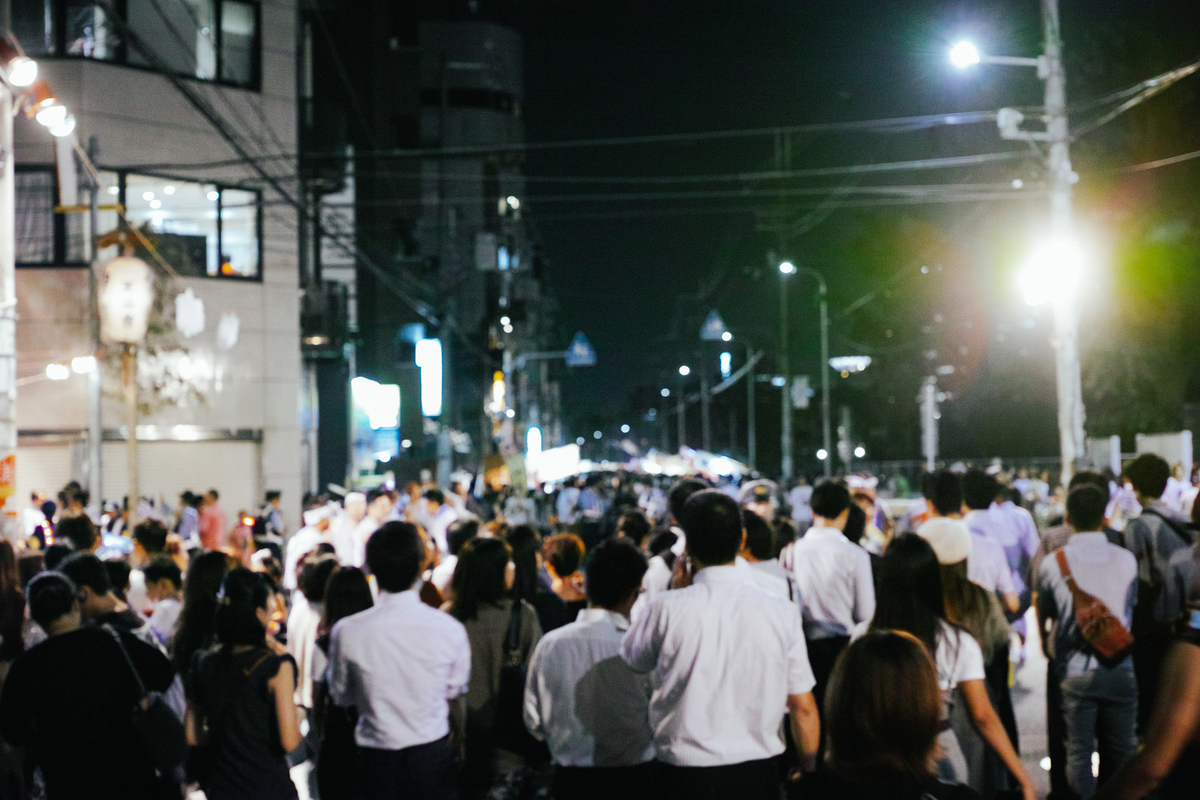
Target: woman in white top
(909, 598)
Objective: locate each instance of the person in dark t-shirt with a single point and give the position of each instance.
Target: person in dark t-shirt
(69, 699)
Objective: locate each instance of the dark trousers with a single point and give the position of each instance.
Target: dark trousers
(750, 780)
(639, 782)
(1150, 645)
(1056, 734)
(422, 772)
(822, 655)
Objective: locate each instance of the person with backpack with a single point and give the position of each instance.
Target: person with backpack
(1153, 538)
(1089, 587)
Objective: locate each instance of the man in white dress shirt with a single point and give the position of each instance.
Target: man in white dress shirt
(342, 529)
(727, 661)
(380, 503)
(400, 664)
(835, 580)
(591, 709)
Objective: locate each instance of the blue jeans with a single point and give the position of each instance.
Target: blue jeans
(1100, 708)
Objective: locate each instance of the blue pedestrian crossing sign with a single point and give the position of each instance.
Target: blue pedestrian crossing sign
(580, 353)
(713, 329)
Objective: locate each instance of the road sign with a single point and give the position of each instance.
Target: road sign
(713, 329)
(580, 353)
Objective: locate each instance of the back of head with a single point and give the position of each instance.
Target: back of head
(634, 526)
(118, 576)
(856, 524)
(1088, 477)
(661, 541)
(564, 553)
(712, 521)
(460, 532)
(51, 595)
(79, 531)
(1086, 507)
(525, 543)
(56, 553)
(681, 491)
(946, 493)
(760, 536)
(979, 489)
(1149, 474)
(29, 564)
(614, 572)
(151, 535)
(882, 712)
(829, 500)
(347, 592)
(435, 496)
(479, 577)
(396, 555)
(163, 567)
(243, 595)
(314, 574)
(86, 571)
(910, 589)
(205, 573)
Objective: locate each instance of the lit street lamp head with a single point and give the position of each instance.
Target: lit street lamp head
(964, 54)
(1053, 272)
(685, 370)
(787, 267)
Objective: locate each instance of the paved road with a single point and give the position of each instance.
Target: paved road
(1029, 702)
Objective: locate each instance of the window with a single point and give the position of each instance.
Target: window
(215, 40)
(201, 229)
(45, 237)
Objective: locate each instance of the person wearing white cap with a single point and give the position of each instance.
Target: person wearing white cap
(305, 540)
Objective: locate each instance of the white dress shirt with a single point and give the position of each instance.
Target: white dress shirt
(441, 575)
(438, 525)
(358, 541)
(724, 656)
(987, 565)
(834, 576)
(302, 542)
(776, 579)
(591, 709)
(399, 663)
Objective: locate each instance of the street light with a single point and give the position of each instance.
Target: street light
(624, 429)
(684, 370)
(964, 54)
(787, 268)
(665, 392)
(822, 454)
(1067, 265)
(1053, 272)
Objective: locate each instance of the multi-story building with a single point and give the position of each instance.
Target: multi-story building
(188, 110)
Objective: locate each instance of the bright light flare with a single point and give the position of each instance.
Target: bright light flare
(58, 372)
(964, 54)
(51, 114)
(82, 365)
(822, 454)
(726, 337)
(1053, 272)
(860, 451)
(787, 267)
(22, 72)
(685, 370)
(624, 429)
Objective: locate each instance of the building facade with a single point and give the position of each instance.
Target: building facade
(188, 110)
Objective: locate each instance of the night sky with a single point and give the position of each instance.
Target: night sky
(638, 273)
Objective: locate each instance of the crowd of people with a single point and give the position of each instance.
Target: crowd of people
(618, 636)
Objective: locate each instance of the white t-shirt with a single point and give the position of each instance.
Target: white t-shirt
(959, 657)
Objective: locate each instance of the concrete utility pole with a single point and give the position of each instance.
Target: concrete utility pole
(786, 466)
(1062, 182)
(705, 409)
(8, 291)
(929, 425)
(751, 434)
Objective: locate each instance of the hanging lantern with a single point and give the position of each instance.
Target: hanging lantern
(126, 298)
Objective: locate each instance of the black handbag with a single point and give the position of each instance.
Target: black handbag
(509, 722)
(158, 729)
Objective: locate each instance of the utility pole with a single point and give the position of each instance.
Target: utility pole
(785, 402)
(751, 434)
(826, 435)
(680, 411)
(929, 422)
(95, 422)
(8, 293)
(1062, 181)
(705, 409)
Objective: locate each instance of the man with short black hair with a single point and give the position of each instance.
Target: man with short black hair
(68, 700)
(1099, 700)
(835, 580)
(458, 534)
(658, 575)
(591, 709)
(758, 552)
(98, 603)
(400, 664)
(697, 642)
(380, 503)
(164, 589)
(1153, 538)
(979, 492)
(149, 540)
(438, 516)
(79, 531)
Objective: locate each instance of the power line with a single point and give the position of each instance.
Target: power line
(1163, 162)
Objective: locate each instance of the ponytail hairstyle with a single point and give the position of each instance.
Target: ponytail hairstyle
(243, 594)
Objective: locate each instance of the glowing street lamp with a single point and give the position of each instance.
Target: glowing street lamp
(685, 370)
(964, 54)
(1053, 272)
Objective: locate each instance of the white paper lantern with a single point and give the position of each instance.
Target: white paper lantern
(126, 298)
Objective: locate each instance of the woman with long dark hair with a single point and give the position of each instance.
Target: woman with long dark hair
(194, 631)
(910, 598)
(882, 715)
(527, 581)
(332, 736)
(482, 584)
(241, 711)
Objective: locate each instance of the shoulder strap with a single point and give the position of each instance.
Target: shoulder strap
(512, 639)
(1187, 535)
(137, 676)
(1060, 555)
